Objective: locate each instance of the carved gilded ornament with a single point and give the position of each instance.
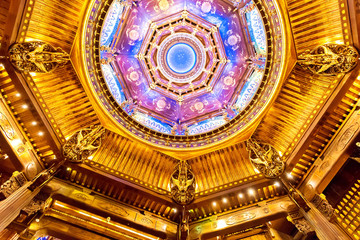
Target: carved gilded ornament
(38, 57)
(329, 59)
(323, 206)
(182, 184)
(34, 206)
(300, 223)
(17, 180)
(265, 158)
(240, 218)
(6, 127)
(82, 144)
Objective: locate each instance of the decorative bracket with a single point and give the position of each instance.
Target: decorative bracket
(182, 184)
(265, 158)
(329, 59)
(38, 57)
(82, 144)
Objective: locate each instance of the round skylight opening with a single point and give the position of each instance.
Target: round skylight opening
(181, 58)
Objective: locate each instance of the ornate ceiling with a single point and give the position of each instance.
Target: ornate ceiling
(157, 110)
(175, 78)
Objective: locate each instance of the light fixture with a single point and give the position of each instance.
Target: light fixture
(25, 106)
(224, 200)
(17, 94)
(289, 176)
(277, 184)
(40, 133)
(214, 204)
(34, 123)
(241, 195)
(175, 210)
(251, 191)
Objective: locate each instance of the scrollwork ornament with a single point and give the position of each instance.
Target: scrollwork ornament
(6, 127)
(329, 59)
(303, 226)
(17, 180)
(300, 223)
(82, 144)
(265, 158)
(38, 57)
(34, 206)
(323, 206)
(182, 184)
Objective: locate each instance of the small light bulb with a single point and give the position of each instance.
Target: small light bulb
(34, 123)
(277, 184)
(224, 200)
(25, 106)
(18, 95)
(175, 210)
(40, 133)
(241, 195)
(214, 204)
(251, 192)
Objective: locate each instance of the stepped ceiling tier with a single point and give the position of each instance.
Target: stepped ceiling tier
(123, 76)
(185, 74)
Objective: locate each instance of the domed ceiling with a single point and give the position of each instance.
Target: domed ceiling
(183, 73)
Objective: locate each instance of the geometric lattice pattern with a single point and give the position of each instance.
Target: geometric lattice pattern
(348, 211)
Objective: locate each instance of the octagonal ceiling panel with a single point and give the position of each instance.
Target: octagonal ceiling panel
(184, 73)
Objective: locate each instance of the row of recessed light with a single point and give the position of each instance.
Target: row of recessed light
(251, 192)
(33, 123)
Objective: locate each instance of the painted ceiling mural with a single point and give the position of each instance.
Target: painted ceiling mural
(183, 67)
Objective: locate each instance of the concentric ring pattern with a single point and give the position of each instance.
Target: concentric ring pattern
(178, 71)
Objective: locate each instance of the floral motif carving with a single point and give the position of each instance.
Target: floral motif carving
(300, 223)
(265, 158)
(323, 206)
(115, 209)
(17, 180)
(329, 59)
(347, 136)
(240, 218)
(34, 206)
(37, 57)
(83, 143)
(182, 184)
(6, 127)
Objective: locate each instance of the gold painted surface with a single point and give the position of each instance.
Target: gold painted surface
(95, 222)
(260, 236)
(66, 100)
(327, 129)
(156, 203)
(24, 116)
(314, 23)
(55, 22)
(301, 97)
(221, 167)
(285, 55)
(347, 211)
(135, 160)
(237, 219)
(4, 12)
(242, 196)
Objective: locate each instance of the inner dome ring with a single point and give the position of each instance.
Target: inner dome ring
(200, 61)
(181, 58)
